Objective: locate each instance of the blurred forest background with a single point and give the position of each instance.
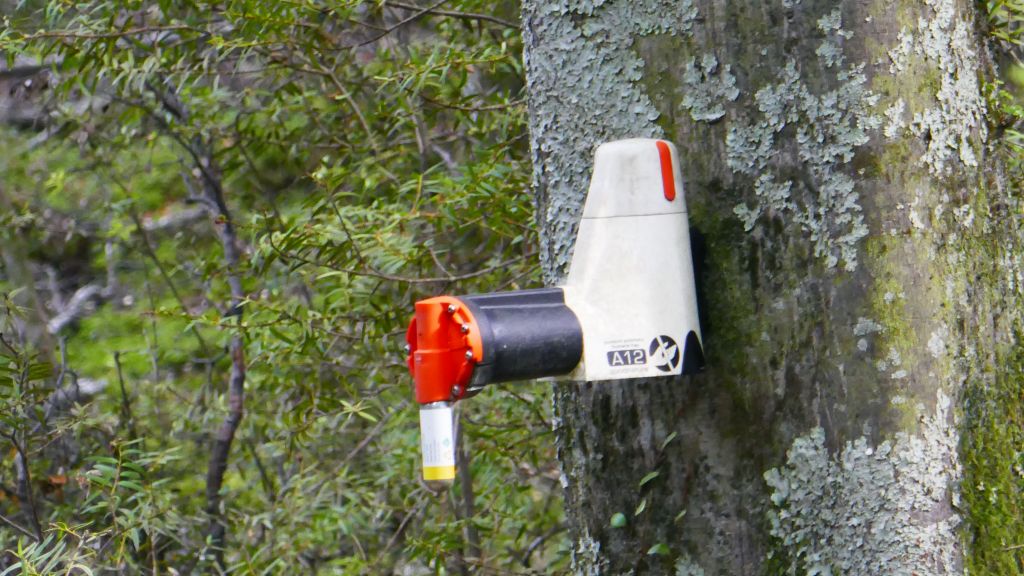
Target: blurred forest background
(215, 219)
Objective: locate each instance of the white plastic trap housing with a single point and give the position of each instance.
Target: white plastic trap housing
(631, 280)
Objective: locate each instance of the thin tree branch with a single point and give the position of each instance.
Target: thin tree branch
(537, 542)
(218, 464)
(80, 389)
(74, 308)
(367, 438)
(355, 108)
(127, 421)
(151, 253)
(21, 72)
(106, 35)
(458, 15)
(17, 527)
(373, 273)
(485, 108)
(416, 510)
(213, 196)
(172, 221)
(212, 199)
(265, 479)
(472, 537)
(416, 16)
(25, 493)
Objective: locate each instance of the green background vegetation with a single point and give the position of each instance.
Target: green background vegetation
(369, 156)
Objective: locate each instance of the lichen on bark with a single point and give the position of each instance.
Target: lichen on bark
(868, 509)
(845, 312)
(598, 97)
(830, 126)
(943, 41)
(707, 87)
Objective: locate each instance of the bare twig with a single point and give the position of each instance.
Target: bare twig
(148, 249)
(25, 492)
(17, 526)
(127, 422)
(110, 253)
(472, 537)
(213, 201)
(345, 94)
(218, 464)
(538, 541)
(370, 436)
(437, 261)
(80, 389)
(20, 72)
(74, 308)
(458, 15)
(373, 273)
(416, 510)
(154, 341)
(211, 197)
(265, 479)
(61, 397)
(486, 108)
(543, 422)
(422, 12)
(173, 220)
(105, 35)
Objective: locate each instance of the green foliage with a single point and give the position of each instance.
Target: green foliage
(368, 156)
(52, 555)
(1004, 18)
(992, 446)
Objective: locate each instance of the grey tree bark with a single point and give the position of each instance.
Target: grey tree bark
(862, 277)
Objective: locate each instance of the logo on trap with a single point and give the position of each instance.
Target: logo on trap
(664, 353)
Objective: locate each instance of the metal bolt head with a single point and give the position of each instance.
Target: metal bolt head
(469, 354)
(456, 390)
(452, 308)
(464, 328)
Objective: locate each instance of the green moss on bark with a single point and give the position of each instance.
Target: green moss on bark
(992, 452)
(992, 427)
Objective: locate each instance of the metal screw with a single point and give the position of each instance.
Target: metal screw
(456, 390)
(464, 328)
(452, 308)
(469, 354)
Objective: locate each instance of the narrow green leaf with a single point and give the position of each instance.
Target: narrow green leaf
(659, 549)
(668, 439)
(39, 371)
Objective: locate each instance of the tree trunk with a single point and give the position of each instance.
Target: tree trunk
(862, 279)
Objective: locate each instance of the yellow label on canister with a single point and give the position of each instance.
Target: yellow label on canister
(437, 441)
(439, 472)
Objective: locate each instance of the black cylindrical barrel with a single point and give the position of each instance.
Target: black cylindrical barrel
(525, 334)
